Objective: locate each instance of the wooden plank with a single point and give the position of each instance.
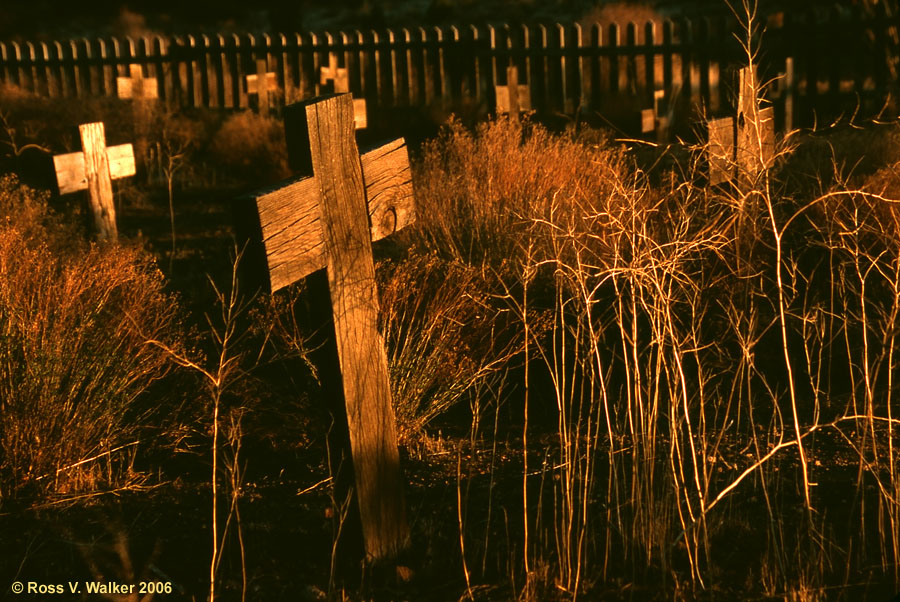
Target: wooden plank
(789, 87)
(566, 85)
(70, 172)
(582, 43)
(240, 63)
(80, 78)
(292, 233)
(380, 89)
(21, 77)
(667, 64)
(543, 66)
(720, 150)
(37, 85)
(427, 68)
(285, 67)
(478, 66)
(412, 77)
(389, 193)
(99, 181)
(290, 221)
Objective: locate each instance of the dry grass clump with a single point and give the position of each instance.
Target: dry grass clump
(703, 341)
(73, 368)
(446, 338)
(479, 192)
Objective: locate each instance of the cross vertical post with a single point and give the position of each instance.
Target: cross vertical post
(99, 181)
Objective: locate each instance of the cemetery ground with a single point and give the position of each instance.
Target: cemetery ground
(611, 380)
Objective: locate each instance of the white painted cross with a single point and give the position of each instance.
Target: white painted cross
(93, 170)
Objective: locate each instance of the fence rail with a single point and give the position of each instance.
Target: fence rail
(567, 67)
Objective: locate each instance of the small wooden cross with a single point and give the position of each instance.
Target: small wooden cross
(261, 83)
(137, 87)
(339, 79)
(513, 97)
(330, 220)
(93, 169)
(742, 146)
(656, 119)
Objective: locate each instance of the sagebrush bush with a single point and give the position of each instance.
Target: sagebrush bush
(251, 147)
(74, 363)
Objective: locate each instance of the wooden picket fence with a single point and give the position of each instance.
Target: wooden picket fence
(567, 67)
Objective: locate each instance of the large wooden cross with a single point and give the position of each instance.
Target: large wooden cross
(329, 220)
(93, 170)
(339, 79)
(744, 146)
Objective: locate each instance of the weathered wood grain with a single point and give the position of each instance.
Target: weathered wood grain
(290, 220)
(99, 182)
(363, 359)
(70, 168)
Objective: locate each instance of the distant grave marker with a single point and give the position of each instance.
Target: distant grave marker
(137, 87)
(656, 119)
(261, 84)
(744, 146)
(93, 170)
(513, 98)
(339, 80)
(323, 221)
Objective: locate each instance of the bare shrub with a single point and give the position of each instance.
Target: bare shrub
(74, 368)
(251, 147)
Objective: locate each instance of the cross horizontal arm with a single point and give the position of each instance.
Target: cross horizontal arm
(70, 167)
(289, 214)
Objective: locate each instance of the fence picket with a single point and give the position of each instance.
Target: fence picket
(583, 64)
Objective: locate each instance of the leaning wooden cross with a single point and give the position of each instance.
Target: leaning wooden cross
(261, 84)
(742, 147)
(93, 170)
(513, 97)
(329, 220)
(339, 78)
